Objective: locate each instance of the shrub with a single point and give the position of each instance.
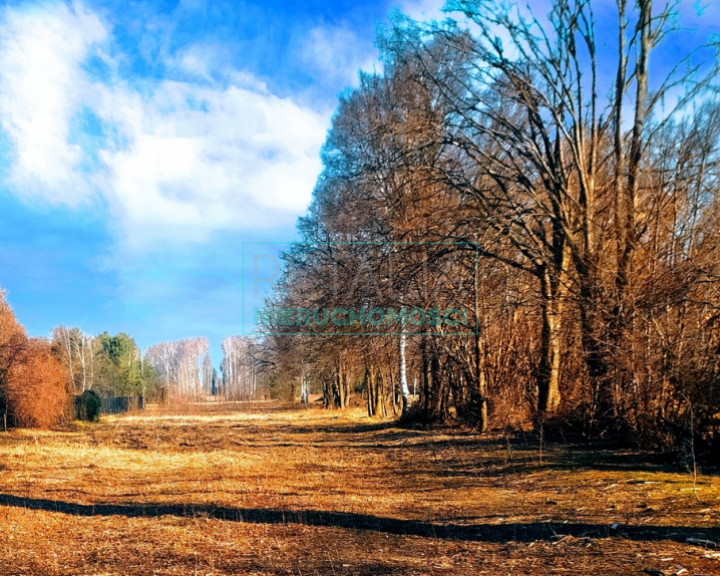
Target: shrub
(13, 342)
(36, 388)
(88, 406)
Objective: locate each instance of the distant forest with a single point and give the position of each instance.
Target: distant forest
(40, 376)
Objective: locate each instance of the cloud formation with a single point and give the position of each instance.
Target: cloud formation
(423, 10)
(174, 159)
(205, 158)
(41, 85)
(335, 52)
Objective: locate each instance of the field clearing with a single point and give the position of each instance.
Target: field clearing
(272, 490)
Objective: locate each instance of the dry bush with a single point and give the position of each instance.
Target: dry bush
(12, 348)
(34, 388)
(37, 388)
(12, 338)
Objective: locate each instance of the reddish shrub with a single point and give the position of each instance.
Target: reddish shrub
(37, 388)
(33, 381)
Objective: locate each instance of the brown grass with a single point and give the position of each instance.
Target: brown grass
(268, 490)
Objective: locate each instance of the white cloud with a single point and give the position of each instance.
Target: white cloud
(336, 53)
(189, 156)
(201, 159)
(41, 84)
(423, 10)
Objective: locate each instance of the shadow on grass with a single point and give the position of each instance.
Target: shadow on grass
(524, 447)
(480, 456)
(389, 426)
(522, 450)
(515, 532)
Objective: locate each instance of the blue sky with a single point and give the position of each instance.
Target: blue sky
(141, 143)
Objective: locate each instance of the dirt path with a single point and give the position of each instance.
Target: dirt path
(273, 491)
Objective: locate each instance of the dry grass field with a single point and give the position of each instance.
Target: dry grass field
(268, 490)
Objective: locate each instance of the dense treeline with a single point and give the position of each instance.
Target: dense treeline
(561, 193)
(185, 372)
(110, 365)
(239, 371)
(183, 368)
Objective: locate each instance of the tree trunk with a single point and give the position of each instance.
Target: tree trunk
(369, 385)
(550, 346)
(403, 374)
(480, 378)
(379, 400)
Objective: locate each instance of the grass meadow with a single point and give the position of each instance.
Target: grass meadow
(267, 489)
